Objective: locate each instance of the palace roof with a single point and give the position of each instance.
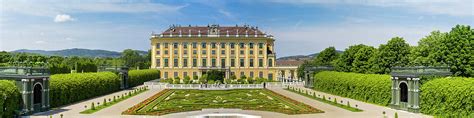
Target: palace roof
(212, 31)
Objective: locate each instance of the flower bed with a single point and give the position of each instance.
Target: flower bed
(174, 101)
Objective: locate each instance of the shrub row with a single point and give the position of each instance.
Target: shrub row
(137, 77)
(9, 99)
(70, 88)
(453, 96)
(371, 88)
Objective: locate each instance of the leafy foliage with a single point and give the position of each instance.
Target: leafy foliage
(138, 77)
(10, 99)
(371, 88)
(394, 53)
(70, 88)
(326, 57)
(448, 96)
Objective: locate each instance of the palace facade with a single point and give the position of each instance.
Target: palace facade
(194, 50)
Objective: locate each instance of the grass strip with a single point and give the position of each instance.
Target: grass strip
(108, 104)
(326, 101)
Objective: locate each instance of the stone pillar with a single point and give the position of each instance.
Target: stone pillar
(397, 92)
(416, 93)
(394, 91)
(410, 92)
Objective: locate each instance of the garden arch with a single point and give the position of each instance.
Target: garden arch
(403, 91)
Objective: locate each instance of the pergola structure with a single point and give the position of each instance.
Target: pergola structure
(122, 71)
(406, 85)
(309, 74)
(33, 83)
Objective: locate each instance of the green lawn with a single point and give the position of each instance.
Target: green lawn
(173, 101)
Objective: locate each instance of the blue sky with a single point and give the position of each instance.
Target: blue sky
(300, 26)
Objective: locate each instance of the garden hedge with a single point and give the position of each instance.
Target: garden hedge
(70, 88)
(448, 96)
(137, 77)
(372, 88)
(10, 99)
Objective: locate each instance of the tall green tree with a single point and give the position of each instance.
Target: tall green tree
(458, 50)
(426, 53)
(131, 58)
(345, 60)
(326, 57)
(394, 53)
(361, 63)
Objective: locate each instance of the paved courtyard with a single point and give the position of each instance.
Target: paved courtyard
(370, 110)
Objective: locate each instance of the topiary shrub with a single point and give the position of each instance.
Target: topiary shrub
(138, 77)
(10, 99)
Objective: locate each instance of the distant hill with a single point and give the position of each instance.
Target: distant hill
(302, 57)
(77, 52)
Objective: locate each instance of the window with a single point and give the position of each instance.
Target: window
(242, 52)
(270, 76)
(194, 51)
(260, 62)
(185, 62)
(175, 52)
(222, 45)
(166, 51)
(260, 45)
(166, 63)
(158, 45)
(222, 52)
(158, 52)
(260, 52)
(251, 74)
(203, 45)
(158, 63)
(232, 52)
(250, 45)
(232, 45)
(185, 52)
(194, 45)
(195, 74)
(242, 63)
(185, 74)
(260, 74)
(175, 45)
(204, 62)
(232, 62)
(175, 63)
(223, 63)
(185, 45)
(251, 52)
(194, 62)
(242, 74)
(213, 45)
(213, 62)
(204, 52)
(166, 45)
(251, 62)
(175, 74)
(270, 63)
(213, 52)
(166, 75)
(242, 45)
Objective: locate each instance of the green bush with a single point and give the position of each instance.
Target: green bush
(138, 77)
(448, 96)
(10, 99)
(70, 88)
(371, 88)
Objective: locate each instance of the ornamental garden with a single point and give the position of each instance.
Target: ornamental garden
(363, 73)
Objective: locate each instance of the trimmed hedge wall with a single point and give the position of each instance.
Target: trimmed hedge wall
(137, 77)
(70, 88)
(10, 99)
(448, 96)
(371, 88)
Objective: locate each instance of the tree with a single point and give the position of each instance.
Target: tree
(186, 80)
(361, 59)
(326, 57)
(394, 53)
(345, 60)
(427, 51)
(458, 50)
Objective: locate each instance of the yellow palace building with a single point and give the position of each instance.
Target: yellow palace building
(236, 50)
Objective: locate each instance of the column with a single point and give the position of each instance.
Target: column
(416, 93)
(410, 92)
(397, 92)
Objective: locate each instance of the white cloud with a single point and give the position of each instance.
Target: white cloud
(63, 18)
(52, 8)
(226, 13)
(40, 42)
(446, 7)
